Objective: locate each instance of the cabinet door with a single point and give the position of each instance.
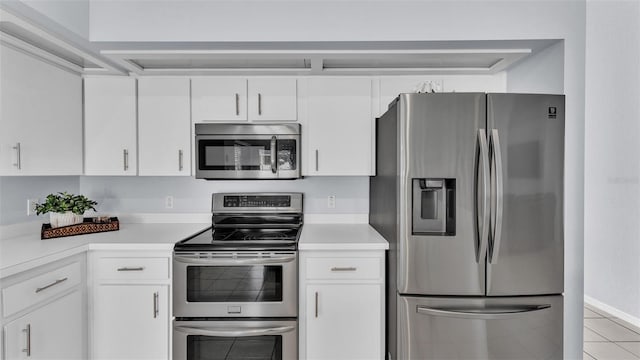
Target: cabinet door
(339, 127)
(131, 322)
(110, 126)
(53, 331)
(344, 321)
(272, 99)
(218, 99)
(40, 117)
(164, 127)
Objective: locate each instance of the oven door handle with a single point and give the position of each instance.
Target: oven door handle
(251, 261)
(235, 332)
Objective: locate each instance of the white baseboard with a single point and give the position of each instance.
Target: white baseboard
(613, 311)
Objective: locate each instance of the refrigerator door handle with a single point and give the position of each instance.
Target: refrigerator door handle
(482, 200)
(498, 192)
(481, 314)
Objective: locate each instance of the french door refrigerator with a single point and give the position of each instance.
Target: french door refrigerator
(469, 194)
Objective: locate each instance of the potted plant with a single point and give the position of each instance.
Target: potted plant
(66, 209)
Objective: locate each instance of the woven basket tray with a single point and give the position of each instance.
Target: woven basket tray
(87, 227)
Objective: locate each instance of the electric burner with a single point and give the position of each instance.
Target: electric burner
(265, 221)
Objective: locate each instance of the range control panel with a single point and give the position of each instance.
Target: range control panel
(243, 201)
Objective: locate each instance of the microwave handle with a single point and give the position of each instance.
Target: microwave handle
(274, 169)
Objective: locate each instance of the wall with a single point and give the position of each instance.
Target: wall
(612, 170)
(14, 192)
(117, 195)
(314, 20)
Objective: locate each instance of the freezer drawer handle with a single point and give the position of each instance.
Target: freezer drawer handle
(482, 314)
(235, 332)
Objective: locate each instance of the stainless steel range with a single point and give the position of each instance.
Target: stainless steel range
(235, 284)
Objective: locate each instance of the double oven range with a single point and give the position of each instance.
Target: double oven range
(235, 284)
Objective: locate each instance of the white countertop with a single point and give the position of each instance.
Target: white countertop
(341, 237)
(26, 251)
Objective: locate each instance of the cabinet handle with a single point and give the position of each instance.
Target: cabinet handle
(237, 104)
(125, 155)
(139, 268)
(180, 156)
(316, 304)
(155, 304)
(27, 330)
(350, 268)
(18, 163)
(59, 281)
(316, 159)
(259, 104)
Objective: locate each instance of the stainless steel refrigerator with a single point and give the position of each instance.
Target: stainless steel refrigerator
(469, 193)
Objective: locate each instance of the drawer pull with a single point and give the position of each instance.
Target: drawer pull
(350, 268)
(59, 281)
(139, 268)
(27, 330)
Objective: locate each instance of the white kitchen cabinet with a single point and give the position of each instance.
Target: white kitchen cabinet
(131, 309)
(218, 99)
(338, 127)
(53, 331)
(164, 127)
(37, 304)
(272, 99)
(341, 305)
(40, 117)
(241, 99)
(110, 138)
(131, 322)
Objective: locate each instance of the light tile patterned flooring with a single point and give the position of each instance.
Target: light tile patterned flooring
(607, 337)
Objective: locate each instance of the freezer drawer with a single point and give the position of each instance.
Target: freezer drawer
(480, 328)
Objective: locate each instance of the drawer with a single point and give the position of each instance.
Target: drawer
(40, 288)
(132, 268)
(344, 268)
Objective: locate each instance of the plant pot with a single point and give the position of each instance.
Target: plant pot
(64, 219)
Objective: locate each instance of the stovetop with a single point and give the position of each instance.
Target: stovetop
(241, 239)
(250, 221)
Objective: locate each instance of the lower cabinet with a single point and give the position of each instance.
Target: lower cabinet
(342, 305)
(44, 312)
(131, 309)
(131, 322)
(53, 331)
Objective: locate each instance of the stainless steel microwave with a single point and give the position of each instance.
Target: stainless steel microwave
(247, 151)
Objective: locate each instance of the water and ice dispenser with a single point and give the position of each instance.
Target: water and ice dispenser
(434, 207)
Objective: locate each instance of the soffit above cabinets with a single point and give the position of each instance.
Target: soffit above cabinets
(322, 58)
(37, 41)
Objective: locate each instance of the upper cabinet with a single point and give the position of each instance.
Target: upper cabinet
(164, 127)
(338, 127)
(272, 99)
(239, 99)
(40, 117)
(110, 126)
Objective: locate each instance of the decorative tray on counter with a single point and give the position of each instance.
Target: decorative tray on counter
(88, 226)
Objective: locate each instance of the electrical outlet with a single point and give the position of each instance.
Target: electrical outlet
(31, 206)
(168, 202)
(331, 202)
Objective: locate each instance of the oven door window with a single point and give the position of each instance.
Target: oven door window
(236, 154)
(201, 347)
(255, 283)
